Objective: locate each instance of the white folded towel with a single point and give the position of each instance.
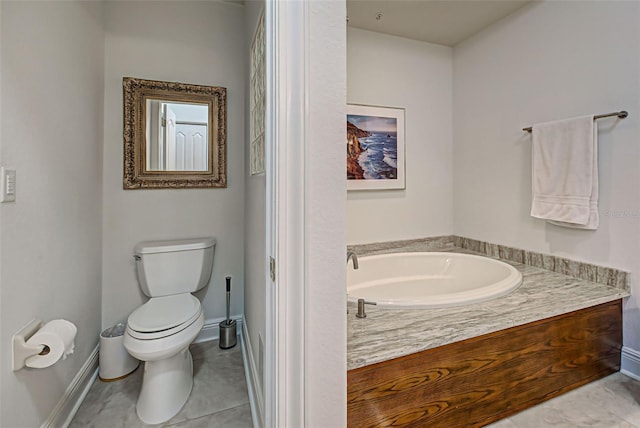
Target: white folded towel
(565, 172)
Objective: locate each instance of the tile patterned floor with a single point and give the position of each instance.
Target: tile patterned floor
(219, 397)
(612, 402)
(220, 400)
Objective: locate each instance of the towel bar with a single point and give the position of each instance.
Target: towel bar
(621, 114)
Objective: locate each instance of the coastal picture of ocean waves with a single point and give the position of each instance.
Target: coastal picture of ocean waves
(375, 148)
(372, 147)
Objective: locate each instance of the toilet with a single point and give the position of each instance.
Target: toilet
(160, 331)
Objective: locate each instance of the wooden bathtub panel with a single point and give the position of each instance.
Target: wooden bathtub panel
(480, 380)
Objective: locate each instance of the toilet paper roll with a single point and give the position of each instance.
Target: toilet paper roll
(59, 336)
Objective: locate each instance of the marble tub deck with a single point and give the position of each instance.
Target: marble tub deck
(390, 333)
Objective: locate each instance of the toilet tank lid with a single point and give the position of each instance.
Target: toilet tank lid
(151, 247)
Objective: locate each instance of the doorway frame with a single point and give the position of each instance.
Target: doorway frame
(284, 376)
(305, 336)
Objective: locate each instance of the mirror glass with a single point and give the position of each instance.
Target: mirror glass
(174, 135)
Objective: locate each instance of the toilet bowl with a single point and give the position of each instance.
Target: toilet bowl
(168, 371)
(160, 331)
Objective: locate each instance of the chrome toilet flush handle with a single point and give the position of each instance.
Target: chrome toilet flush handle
(361, 312)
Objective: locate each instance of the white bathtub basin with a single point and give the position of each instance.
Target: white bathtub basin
(430, 280)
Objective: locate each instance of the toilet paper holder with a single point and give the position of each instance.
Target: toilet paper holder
(21, 350)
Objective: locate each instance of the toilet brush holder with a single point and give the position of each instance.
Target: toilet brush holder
(228, 333)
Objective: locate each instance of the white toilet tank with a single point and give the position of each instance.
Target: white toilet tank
(174, 267)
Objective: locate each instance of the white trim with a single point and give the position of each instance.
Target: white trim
(286, 66)
(66, 409)
(630, 363)
(270, 358)
(211, 329)
(253, 381)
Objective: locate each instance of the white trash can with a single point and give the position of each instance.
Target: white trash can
(115, 361)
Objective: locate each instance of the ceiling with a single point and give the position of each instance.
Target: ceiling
(445, 22)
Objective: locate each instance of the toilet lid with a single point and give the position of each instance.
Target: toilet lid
(162, 313)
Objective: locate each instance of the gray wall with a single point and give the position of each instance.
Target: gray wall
(391, 71)
(192, 42)
(254, 221)
(549, 61)
(66, 248)
(52, 87)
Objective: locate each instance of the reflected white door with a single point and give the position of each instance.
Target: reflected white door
(170, 138)
(191, 146)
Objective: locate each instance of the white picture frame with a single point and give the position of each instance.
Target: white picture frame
(375, 147)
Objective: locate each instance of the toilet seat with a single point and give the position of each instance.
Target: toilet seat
(164, 316)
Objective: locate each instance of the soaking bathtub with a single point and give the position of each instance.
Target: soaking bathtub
(417, 280)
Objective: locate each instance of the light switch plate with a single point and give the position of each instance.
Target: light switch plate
(8, 178)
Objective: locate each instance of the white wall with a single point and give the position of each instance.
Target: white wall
(324, 206)
(391, 71)
(52, 103)
(193, 42)
(190, 112)
(255, 218)
(549, 61)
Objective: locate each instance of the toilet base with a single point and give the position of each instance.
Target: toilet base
(166, 386)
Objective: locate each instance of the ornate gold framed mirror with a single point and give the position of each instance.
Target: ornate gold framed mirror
(174, 135)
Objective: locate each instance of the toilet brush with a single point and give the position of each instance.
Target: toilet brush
(228, 336)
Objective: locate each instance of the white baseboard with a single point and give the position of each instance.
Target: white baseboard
(630, 363)
(251, 373)
(77, 390)
(211, 329)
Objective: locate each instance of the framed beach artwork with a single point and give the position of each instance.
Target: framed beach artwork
(375, 148)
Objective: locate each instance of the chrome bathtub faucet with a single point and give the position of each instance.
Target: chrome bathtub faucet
(361, 313)
(354, 256)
